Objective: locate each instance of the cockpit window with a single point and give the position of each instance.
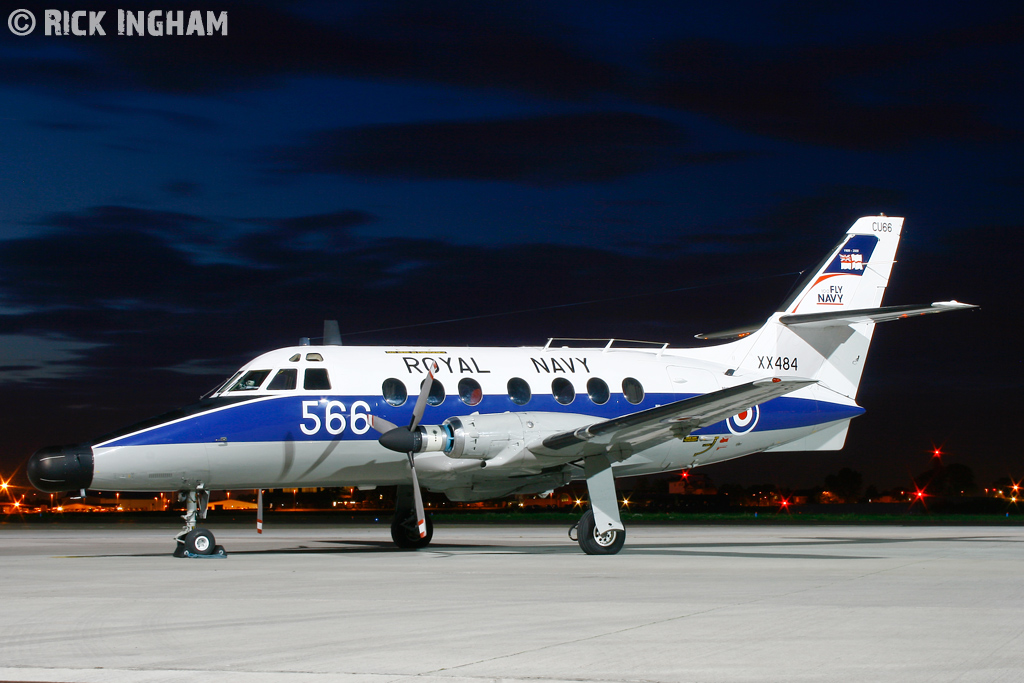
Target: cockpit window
(314, 357)
(284, 380)
(230, 382)
(251, 380)
(296, 358)
(316, 379)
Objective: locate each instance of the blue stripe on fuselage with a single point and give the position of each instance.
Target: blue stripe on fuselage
(280, 418)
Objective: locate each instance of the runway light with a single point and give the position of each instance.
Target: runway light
(936, 453)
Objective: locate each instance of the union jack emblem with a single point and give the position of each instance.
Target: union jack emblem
(851, 262)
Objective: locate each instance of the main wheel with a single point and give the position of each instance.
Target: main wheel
(200, 542)
(405, 534)
(593, 542)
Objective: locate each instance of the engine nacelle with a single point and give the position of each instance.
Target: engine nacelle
(482, 436)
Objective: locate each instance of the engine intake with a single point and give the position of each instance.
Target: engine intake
(481, 436)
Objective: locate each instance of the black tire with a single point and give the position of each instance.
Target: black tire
(200, 542)
(594, 543)
(406, 536)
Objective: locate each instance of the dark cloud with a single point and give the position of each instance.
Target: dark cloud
(873, 94)
(183, 188)
(549, 150)
(454, 43)
(301, 241)
(177, 118)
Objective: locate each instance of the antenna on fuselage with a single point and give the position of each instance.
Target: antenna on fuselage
(332, 335)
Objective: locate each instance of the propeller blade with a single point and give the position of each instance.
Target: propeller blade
(382, 425)
(259, 512)
(421, 518)
(421, 401)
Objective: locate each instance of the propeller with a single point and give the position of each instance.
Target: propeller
(408, 440)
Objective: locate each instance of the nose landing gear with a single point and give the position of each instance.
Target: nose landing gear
(193, 541)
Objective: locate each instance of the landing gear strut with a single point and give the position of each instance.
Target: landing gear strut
(195, 541)
(600, 530)
(403, 525)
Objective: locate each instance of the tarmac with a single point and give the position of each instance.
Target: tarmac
(107, 602)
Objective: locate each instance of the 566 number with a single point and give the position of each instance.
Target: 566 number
(334, 418)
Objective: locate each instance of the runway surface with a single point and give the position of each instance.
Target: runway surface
(511, 603)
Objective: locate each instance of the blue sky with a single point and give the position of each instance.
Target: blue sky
(174, 205)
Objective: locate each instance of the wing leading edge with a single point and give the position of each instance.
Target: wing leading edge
(648, 428)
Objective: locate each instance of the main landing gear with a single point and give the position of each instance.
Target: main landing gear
(592, 540)
(403, 525)
(600, 530)
(193, 541)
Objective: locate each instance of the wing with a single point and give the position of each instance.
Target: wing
(649, 428)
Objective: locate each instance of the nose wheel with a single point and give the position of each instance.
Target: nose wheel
(193, 541)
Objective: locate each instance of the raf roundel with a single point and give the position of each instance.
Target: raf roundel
(744, 422)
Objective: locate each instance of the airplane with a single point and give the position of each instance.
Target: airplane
(482, 423)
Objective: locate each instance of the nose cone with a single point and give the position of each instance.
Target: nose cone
(401, 440)
(61, 468)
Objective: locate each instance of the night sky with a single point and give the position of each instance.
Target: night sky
(172, 206)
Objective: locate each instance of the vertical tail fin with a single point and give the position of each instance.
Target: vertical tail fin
(852, 277)
(855, 274)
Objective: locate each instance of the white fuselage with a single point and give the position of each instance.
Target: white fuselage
(271, 431)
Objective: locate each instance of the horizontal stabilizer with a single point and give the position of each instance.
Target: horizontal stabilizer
(651, 427)
(727, 335)
(876, 315)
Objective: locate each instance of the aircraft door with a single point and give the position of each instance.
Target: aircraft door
(690, 380)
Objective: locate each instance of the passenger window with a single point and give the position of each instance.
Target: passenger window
(632, 390)
(470, 391)
(598, 391)
(316, 379)
(314, 357)
(562, 390)
(436, 395)
(394, 392)
(519, 391)
(251, 380)
(284, 380)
